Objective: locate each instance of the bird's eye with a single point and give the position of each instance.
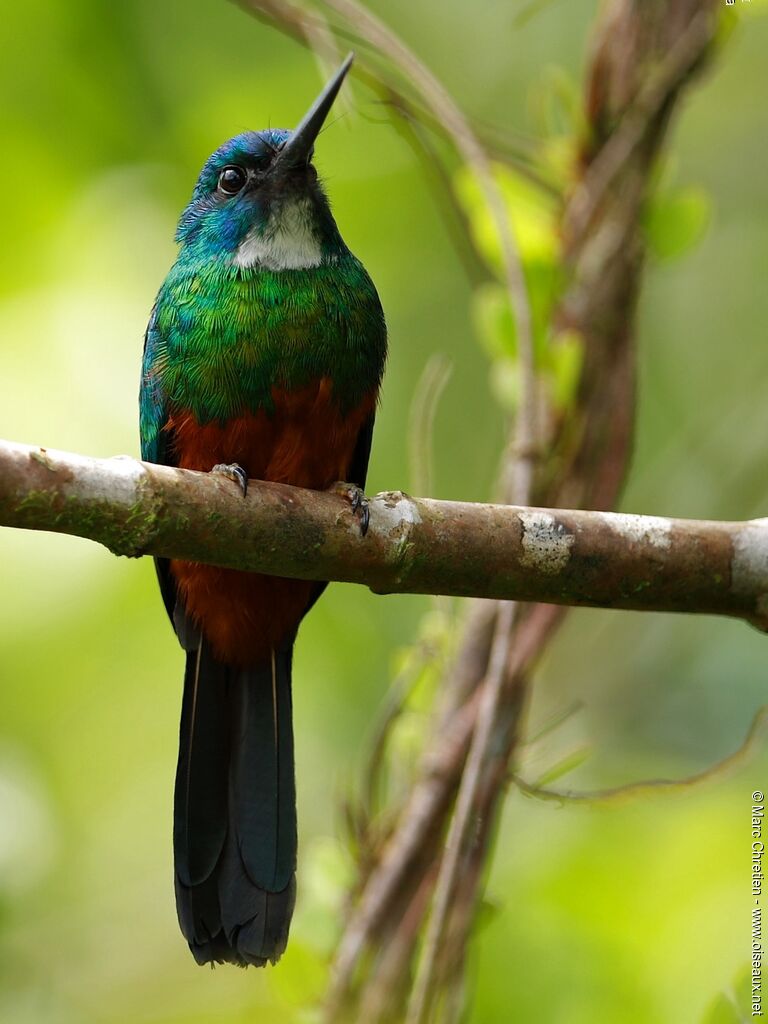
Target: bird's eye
(231, 180)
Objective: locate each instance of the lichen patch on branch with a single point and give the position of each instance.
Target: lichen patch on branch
(546, 544)
(653, 530)
(749, 566)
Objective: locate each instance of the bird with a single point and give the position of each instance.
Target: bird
(263, 359)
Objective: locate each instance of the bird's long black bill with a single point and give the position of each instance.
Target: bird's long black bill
(298, 149)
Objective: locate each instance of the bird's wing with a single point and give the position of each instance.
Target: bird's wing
(153, 410)
(156, 442)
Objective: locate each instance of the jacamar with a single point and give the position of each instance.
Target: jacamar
(262, 359)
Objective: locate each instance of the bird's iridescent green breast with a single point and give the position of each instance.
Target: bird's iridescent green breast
(222, 337)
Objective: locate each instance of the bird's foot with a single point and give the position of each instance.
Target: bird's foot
(234, 473)
(357, 501)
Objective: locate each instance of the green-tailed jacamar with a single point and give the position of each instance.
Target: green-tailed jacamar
(263, 359)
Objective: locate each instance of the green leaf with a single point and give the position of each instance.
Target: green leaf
(564, 766)
(675, 221)
(494, 321)
(558, 155)
(532, 215)
(505, 384)
(556, 102)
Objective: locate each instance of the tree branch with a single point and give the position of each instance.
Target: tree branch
(414, 545)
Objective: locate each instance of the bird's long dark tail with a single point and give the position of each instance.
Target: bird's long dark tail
(234, 833)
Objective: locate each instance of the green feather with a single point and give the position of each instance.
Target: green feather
(222, 337)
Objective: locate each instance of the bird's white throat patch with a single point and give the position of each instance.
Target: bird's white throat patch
(287, 242)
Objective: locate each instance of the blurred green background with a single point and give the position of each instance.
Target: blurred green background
(629, 913)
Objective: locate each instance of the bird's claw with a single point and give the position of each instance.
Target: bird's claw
(233, 472)
(357, 502)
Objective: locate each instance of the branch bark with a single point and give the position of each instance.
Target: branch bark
(414, 545)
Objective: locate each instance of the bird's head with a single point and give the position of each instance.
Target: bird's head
(258, 202)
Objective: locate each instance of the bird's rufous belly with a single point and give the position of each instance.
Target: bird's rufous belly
(305, 441)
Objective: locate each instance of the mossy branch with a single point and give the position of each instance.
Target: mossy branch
(414, 545)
